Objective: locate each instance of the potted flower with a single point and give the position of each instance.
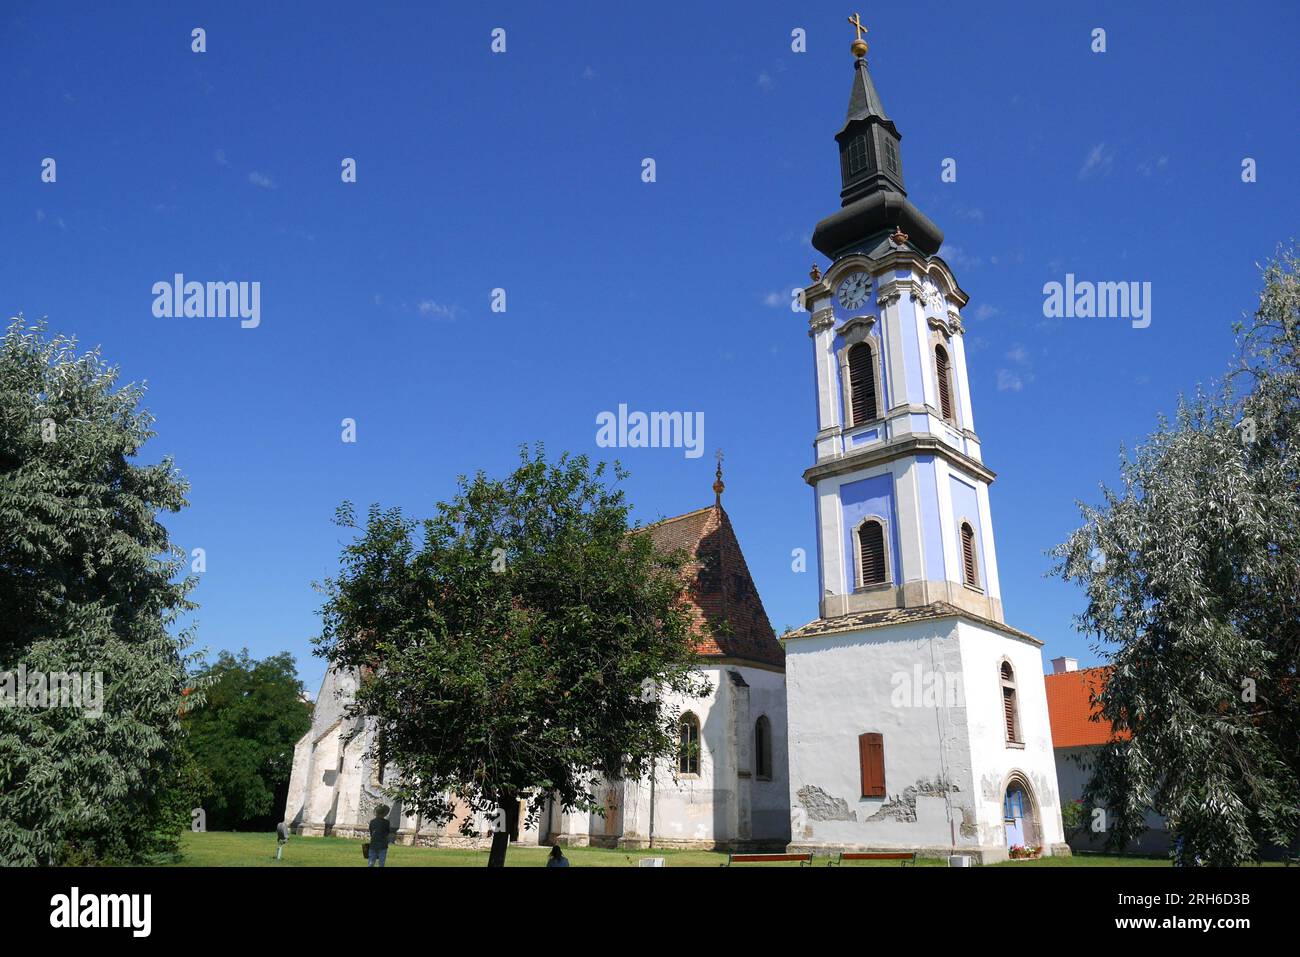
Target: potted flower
(1019, 852)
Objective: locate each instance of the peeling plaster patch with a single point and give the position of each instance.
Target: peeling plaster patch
(969, 823)
(1044, 791)
(991, 788)
(936, 788)
(903, 808)
(899, 809)
(823, 807)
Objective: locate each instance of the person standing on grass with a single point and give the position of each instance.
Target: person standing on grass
(380, 830)
(557, 858)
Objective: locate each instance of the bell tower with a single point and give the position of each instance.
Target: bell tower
(900, 486)
(917, 716)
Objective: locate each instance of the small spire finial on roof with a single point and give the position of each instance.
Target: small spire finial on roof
(859, 46)
(718, 487)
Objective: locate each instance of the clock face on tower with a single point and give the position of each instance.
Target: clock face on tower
(853, 290)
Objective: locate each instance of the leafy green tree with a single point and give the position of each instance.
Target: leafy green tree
(518, 643)
(1192, 577)
(243, 737)
(88, 585)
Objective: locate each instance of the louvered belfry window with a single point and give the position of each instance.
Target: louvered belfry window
(862, 383)
(1009, 703)
(945, 383)
(871, 543)
(969, 570)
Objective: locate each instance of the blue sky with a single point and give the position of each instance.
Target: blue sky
(522, 171)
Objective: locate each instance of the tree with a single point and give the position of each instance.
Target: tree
(519, 643)
(1192, 577)
(243, 738)
(88, 587)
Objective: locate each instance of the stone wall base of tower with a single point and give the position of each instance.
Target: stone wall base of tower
(984, 854)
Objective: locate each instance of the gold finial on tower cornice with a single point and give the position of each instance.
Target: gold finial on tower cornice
(859, 46)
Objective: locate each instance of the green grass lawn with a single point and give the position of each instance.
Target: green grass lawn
(236, 849)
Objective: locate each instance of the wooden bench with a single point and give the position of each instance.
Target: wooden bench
(904, 857)
(805, 860)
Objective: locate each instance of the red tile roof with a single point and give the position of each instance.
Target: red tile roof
(728, 616)
(1070, 709)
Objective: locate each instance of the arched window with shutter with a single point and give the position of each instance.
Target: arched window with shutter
(943, 373)
(862, 384)
(970, 572)
(873, 554)
(688, 749)
(1010, 707)
(763, 748)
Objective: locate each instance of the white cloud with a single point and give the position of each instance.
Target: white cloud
(436, 310)
(985, 311)
(1149, 167)
(955, 256)
(588, 74)
(262, 180)
(774, 300)
(765, 81)
(1018, 354)
(1099, 159)
(220, 157)
(1008, 381)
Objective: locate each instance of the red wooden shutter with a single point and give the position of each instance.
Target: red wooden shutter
(1009, 711)
(945, 388)
(871, 543)
(862, 383)
(871, 757)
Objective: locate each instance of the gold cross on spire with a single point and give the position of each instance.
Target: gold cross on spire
(859, 46)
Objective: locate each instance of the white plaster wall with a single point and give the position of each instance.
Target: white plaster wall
(708, 808)
(982, 652)
(843, 685)
(770, 814)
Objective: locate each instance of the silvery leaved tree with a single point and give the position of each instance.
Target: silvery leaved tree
(1192, 575)
(89, 585)
(507, 644)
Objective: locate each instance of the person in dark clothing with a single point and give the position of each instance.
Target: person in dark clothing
(557, 858)
(380, 831)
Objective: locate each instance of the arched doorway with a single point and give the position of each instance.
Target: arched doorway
(1020, 814)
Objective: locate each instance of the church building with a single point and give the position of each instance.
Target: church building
(918, 717)
(726, 788)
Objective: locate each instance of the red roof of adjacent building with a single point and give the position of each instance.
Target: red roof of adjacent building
(728, 616)
(1070, 708)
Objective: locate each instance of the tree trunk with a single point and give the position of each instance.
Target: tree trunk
(509, 805)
